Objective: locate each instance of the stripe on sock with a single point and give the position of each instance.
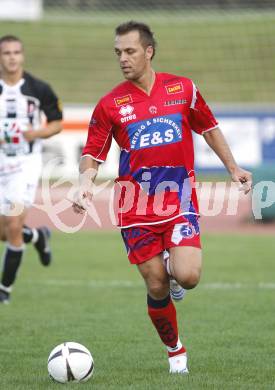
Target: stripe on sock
(15, 248)
(179, 352)
(175, 348)
(158, 303)
(35, 235)
(6, 289)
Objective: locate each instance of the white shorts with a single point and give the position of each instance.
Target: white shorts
(19, 177)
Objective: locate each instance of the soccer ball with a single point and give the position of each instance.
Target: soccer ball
(70, 362)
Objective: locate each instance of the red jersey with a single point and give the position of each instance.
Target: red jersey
(154, 133)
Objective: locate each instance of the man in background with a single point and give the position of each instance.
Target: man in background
(22, 99)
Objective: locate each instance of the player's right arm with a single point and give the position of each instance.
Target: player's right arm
(94, 153)
(88, 168)
(52, 108)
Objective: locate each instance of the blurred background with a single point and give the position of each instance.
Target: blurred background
(226, 46)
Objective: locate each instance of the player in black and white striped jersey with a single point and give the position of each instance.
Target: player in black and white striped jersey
(22, 100)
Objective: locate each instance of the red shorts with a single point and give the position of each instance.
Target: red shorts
(144, 242)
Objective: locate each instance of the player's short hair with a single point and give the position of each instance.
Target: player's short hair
(10, 38)
(145, 33)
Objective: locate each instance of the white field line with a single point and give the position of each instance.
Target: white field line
(131, 284)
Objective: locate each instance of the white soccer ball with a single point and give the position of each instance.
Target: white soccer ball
(70, 362)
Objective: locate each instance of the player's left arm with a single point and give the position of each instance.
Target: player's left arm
(51, 106)
(217, 142)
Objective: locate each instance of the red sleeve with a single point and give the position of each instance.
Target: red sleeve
(201, 117)
(99, 135)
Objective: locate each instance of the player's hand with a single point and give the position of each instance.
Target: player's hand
(2, 137)
(30, 135)
(82, 201)
(244, 177)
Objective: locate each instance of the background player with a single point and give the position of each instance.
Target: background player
(22, 98)
(151, 116)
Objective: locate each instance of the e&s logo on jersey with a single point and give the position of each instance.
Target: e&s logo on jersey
(161, 130)
(174, 88)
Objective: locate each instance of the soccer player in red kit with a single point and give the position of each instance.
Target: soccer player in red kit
(151, 116)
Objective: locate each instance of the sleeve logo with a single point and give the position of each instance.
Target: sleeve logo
(123, 100)
(127, 113)
(126, 110)
(174, 88)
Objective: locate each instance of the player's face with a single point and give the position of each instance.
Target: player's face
(134, 59)
(11, 57)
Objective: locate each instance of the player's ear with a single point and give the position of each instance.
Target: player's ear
(149, 52)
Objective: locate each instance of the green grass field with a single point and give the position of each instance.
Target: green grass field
(91, 295)
(223, 53)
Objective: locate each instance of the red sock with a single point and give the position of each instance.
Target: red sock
(178, 352)
(163, 315)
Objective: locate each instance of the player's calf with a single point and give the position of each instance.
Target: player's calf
(177, 292)
(11, 263)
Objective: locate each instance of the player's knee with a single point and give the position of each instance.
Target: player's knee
(190, 279)
(13, 229)
(158, 289)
